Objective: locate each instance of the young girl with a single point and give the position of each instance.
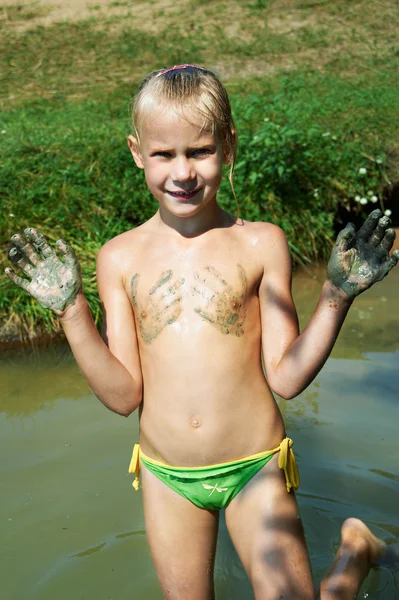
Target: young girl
(191, 298)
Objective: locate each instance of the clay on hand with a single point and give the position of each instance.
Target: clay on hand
(360, 259)
(53, 282)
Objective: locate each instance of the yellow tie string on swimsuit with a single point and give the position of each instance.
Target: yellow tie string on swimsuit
(287, 462)
(134, 466)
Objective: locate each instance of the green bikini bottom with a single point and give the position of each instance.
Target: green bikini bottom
(215, 486)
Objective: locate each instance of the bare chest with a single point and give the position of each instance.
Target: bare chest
(192, 291)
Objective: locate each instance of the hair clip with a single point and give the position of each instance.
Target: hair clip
(178, 68)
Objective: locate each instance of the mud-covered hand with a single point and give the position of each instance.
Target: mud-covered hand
(361, 258)
(54, 280)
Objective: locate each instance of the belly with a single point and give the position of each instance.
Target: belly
(209, 414)
(206, 399)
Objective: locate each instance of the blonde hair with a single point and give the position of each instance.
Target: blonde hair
(190, 87)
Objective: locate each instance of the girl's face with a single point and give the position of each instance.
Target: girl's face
(182, 164)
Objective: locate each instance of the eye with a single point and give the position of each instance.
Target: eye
(162, 154)
(202, 152)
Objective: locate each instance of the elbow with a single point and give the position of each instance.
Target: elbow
(286, 391)
(127, 410)
(132, 404)
(123, 404)
(286, 394)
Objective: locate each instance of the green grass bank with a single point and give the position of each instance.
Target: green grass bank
(314, 87)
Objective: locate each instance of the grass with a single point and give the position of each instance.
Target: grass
(324, 74)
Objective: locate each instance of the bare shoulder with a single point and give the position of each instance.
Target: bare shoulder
(264, 236)
(120, 249)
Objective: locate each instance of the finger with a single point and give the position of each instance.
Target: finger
(391, 262)
(172, 303)
(369, 225)
(67, 253)
(174, 287)
(213, 282)
(19, 281)
(384, 248)
(164, 278)
(18, 259)
(133, 288)
(25, 248)
(204, 315)
(216, 274)
(345, 237)
(40, 242)
(202, 290)
(14, 254)
(379, 231)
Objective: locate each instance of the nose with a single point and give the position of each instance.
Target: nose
(182, 169)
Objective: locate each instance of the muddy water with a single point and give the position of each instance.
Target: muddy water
(72, 526)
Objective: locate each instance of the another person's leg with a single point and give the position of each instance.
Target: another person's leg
(266, 530)
(359, 551)
(182, 540)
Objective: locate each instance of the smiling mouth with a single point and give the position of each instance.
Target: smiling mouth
(184, 195)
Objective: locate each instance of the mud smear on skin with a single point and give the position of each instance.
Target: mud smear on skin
(225, 306)
(156, 311)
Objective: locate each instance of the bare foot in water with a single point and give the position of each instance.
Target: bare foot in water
(356, 535)
(359, 551)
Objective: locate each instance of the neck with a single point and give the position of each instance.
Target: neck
(210, 217)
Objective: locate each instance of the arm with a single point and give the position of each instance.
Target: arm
(293, 359)
(113, 374)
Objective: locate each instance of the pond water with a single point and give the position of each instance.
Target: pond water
(71, 524)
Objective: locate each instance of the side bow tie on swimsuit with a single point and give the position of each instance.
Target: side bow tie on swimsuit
(214, 487)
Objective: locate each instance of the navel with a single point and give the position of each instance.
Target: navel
(195, 423)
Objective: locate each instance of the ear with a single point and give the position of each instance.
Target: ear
(134, 148)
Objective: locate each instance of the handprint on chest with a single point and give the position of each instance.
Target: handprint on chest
(160, 307)
(217, 301)
(224, 306)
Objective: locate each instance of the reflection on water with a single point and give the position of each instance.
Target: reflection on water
(72, 526)
(372, 322)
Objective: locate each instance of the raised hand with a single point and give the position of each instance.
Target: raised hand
(53, 282)
(160, 308)
(359, 259)
(225, 308)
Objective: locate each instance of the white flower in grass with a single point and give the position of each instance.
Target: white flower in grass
(326, 134)
(3, 131)
(378, 161)
(362, 171)
(363, 201)
(370, 193)
(11, 215)
(387, 212)
(266, 119)
(374, 199)
(357, 198)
